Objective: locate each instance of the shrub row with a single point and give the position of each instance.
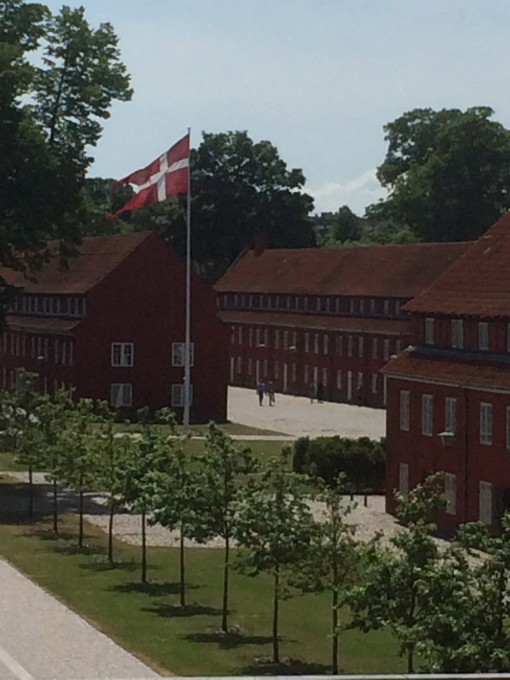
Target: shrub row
(362, 461)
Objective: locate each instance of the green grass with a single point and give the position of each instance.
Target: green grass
(262, 450)
(8, 462)
(201, 430)
(148, 621)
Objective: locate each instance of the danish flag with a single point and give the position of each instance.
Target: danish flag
(164, 177)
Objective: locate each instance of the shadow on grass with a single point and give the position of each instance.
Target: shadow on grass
(227, 640)
(176, 611)
(265, 666)
(104, 565)
(152, 588)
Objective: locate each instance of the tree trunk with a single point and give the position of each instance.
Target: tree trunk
(182, 567)
(110, 530)
(144, 549)
(276, 602)
(410, 659)
(55, 507)
(30, 493)
(80, 510)
(334, 634)
(224, 615)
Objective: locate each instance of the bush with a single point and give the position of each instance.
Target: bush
(362, 461)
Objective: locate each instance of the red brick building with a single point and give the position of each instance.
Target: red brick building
(112, 325)
(449, 393)
(320, 316)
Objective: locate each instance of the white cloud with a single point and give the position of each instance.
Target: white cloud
(357, 193)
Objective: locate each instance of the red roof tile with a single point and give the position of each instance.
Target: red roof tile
(446, 371)
(327, 323)
(388, 270)
(99, 255)
(477, 284)
(37, 324)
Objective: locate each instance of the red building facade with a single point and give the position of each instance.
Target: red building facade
(111, 324)
(328, 317)
(449, 392)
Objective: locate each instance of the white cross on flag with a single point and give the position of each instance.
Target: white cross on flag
(164, 177)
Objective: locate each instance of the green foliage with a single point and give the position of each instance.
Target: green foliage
(346, 226)
(361, 461)
(448, 172)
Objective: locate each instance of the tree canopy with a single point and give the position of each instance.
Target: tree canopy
(50, 116)
(448, 172)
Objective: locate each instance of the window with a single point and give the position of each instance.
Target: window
(294, 340)
(337, 305)
(429, 331)
(306, 374)
(232, 334)
(121, 394)
(403, 478)
(177, 397)
(293, 373)
(264, 368)
(239, 367)
(386, 350)
(374, 348)
(457, 333)
(386, 307)
(240, 335)
(374, 383)
(398, 346)
(250, 366)
(349, 345)
(397, 307)
(362, 306)
(351, 306)
(360, 346)
(483, 336)
(257, 337)
(325, 344)
(250, 337)
(277, 339)
(266, 337)
(276, 370)
(178, 353)
(427, 405)
(485, 424)
(339, 380)
(450, 415)
(372, 306)
(485, 502)
(339, 345)
(450, 491)
(316, 343)
(404, 410)
(285, 339)
(324, 377)
(307, 342)
(359, 380)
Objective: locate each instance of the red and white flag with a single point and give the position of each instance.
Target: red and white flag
(164, 177)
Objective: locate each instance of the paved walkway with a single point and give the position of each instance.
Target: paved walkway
(297, 416)
(41, 639)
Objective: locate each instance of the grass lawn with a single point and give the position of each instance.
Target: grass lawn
(8, 462)
(201, 430)
(263, 450)
(148, 621)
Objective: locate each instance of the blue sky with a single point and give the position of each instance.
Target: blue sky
(318, 78)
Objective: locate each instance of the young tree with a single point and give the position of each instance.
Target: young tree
(331, 564)
(397, 580)
(275, 530)
(222, 479)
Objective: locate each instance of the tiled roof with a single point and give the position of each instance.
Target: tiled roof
(316, 322)
(38, 324)
(99, 255)
(446, 371)
(478, 284)
(388, 270)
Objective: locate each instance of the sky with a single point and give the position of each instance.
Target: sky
(317, 78)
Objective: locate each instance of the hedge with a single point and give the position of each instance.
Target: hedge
(362, 461)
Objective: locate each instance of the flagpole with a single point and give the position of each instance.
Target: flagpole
(187, 343)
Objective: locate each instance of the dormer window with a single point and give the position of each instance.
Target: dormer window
(457, 334)
(483, 336)
(429, 331)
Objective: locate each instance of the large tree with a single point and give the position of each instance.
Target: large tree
(447, 172)
(240, 189)
(49, 119)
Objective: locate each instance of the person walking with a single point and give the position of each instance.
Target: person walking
(320, 393)
(261, 389)
(270, 393)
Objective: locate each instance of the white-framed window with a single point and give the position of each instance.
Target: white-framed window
(285, 339)
(360, 346)
(121, 394)
(339, 379)
(277, 339)
(485, 423)
(485, 502)
(337, 305)
(307, 342)
(325, 344)
(239, 367)
(397, 307)
(483, 336)
(324, 377)
(386, 349)
(362, 306)
(177, 396)
(250, 337)
(350, 343)
(179, 353)
(507, 428)
(450, 490)
(240, 335)
(386, 307)
(405, 398)
(359, 380)
(258, 341)
(375, 348)
(293, 372)
(457, 333)
(450, 415)
(351, 306)
(318, 304)
(427, 406)
(374, 383)
(294, 340)
(316, 343)
(403, 478)
(372, 306)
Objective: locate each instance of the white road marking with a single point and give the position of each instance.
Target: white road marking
(13, 666)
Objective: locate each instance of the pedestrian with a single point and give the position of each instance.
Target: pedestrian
(313, 392)
(320, 393)
(270, 393)
(261, 389)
